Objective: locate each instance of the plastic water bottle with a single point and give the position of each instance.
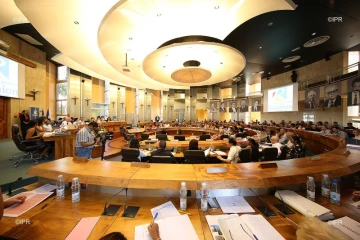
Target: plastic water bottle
(310, 193)
(60, 188)
(204, 197)
(335, 192)
(75, 190)
(325, 186)
(183, 196)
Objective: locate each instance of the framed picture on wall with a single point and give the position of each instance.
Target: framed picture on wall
(244, 105)
(232, 108)
(332, 95)
(256, 105)
(312, 100)
(354, 91)
(213, 107)
(222, 107)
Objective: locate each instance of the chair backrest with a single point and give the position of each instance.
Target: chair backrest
(224, 136)
(283, 153)
(162, 159)
(194, 156)
(241, 135)
(130, 155)
(303, 154)
(161, 136)
(245, 155)
(17, 138)
(180, 137)
(270, 153)
(203, 137)
(144, 136)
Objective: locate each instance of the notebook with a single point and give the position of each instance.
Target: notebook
(348, 226)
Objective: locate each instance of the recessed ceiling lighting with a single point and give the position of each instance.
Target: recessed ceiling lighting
(313, 34)
(163, 66)
(295, 49)
(261, 72)
(159, 14)
(270, 24)
(287, 66)
(130, 38)
(260, 47)
(76, 22)
(217, 7)
(269, 73)
(221, 62)
(280, 58)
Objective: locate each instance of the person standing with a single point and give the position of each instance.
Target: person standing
(24, 119)
(85, 140)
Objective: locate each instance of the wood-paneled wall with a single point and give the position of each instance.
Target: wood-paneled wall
(51, 88)
(130, 96)
(98, 90)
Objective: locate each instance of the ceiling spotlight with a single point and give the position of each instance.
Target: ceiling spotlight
(130, 38)
(280, 58)
(159, 14)
(295, 49)
(287, 66)
(261, 72)
(260, 47)
(163, 66)
(76, 22)
(217, 7)
(269, 73)
(313, 34)
(270, 24)
(221, 62)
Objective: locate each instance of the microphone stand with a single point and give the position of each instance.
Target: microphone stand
(129, 211)
(11, 193)
(263, 209)
(111, 210)
(282, 207)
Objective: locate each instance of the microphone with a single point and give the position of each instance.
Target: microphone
(10, 193)
(126, 200)
(263, 209)
(111, 210)
(282, 207)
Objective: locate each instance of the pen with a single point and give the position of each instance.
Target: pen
(251, 232)
(43, 206)
(155, 217)
(288, 219)
(230, 235)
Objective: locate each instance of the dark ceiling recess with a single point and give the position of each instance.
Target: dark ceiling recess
(277, 33)
(191, 63)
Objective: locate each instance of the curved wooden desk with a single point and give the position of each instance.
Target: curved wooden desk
(336, 163)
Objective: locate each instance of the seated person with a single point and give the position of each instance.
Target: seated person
(134, 143)
(314, 128)
(161, 151)
(324, 130)
(289, 144)
(8, 203)
(297, 151)
(233, 155)
(349, 127)
(356, 194)
(47, 125)
(32, 134)
(194, 145)
(337, 132)
(275, 143)
(217, 136)
(356, 133)
(282, 136)
(254, 147)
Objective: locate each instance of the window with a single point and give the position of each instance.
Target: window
(61, 91)
(61, 108)
(307, 117)
(353, 57)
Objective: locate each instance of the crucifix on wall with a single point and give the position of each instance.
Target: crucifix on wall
(113, 103)
(75, 98)
(87, 101)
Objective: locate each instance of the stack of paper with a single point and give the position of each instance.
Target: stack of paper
(304, 205)
(83, 229)
(172, 225)
(348, 226)
(235, 204)
(32, 199)
(45, 189)
(246, 226)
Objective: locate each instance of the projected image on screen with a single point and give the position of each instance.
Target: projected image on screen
(11, 75)
(280, 99)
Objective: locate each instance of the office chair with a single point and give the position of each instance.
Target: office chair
(203, 137)
(130, 155)
(303, 154)
(269, 154)
(161, 137)
(284, 150)
(180, 137)
(224, 136)
(162, 159)
(245, 155)
(32, 147)
(194, 156)
(241, 135)
(128, 137)
(144, 136)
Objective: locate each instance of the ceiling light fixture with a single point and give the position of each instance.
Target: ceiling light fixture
(130, 38)
(316, 41)
(217, 7)
(76, 22)
(269, 73)
(159, 14)
(261, 72)
(260, 47)
(280, 58)
(295, 49)
(313, 34)
(270, 24)
(287, 66)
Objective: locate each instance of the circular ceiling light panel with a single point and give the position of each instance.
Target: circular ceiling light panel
(291, 59)
(209, 63)
(316, 41)
(191, 75)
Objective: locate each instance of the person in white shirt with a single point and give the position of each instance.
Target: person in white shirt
(325, 130)
(66, 122)
(289, 144)
(282, 136)
(47, 125)
(356, 132)
(81, 121)
(233, 155)
(275, 143)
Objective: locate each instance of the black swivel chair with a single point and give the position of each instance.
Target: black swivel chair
(269, 154)
(162, 159)
(194, 156)
(303, 154)
(245, 155)
(179, 137)
(203, 137)
(32, 147)
(128, 137)
(224, 136)
(284, 150)
(161, 137)
(144, 136)
(130, 155)
(241, 135)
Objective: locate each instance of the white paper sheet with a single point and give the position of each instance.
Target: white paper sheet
(165, 210)
(234, 204)
(174, 228)
(45, 189)
(348, 226)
